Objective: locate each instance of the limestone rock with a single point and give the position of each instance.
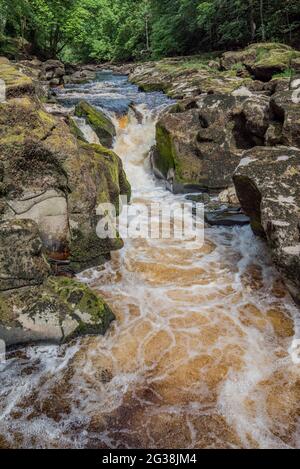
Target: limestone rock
(267, 182)
(286, 110)
(58, 311)
(200, 142)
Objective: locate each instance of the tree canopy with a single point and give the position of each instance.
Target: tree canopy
(122, 30)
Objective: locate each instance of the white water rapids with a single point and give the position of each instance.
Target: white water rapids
(197, 358)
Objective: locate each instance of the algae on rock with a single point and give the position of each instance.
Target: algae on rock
(100, 122)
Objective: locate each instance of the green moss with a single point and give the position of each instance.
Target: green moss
(16, 82)
(165, 149)
(90, 310)
(100, 123)
(5, 310)
(288, 73)
(75, 129)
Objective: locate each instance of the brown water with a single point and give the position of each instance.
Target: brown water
(198, 357)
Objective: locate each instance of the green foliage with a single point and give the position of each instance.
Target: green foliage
(124, 30)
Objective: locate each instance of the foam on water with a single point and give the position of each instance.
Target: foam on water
(199, 354)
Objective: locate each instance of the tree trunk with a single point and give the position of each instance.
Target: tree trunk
(252, 21)
(263, 29)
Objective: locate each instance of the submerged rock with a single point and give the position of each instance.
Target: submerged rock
(267, 182)
(58, 311)
(226, 217)
(99, 122)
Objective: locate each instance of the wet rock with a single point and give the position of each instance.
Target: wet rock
(267, 183)
(226, 217)
(228, 196)
(199, 198)
(50, 177)
(80, 76)
(99, 122)
(58, 311)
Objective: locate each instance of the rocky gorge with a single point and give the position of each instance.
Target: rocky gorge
(199, 354)
(236, 122)
(51, 182)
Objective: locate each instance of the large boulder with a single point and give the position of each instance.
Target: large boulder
(267, 182)
(58, 181)
(200, 142)
(80, 76)
(99, 122)
(53, 71)
(51, 184)
(286, 112)
(263, 60)
(58, 311)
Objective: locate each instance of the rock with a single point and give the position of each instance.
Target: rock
(54, 82)
(263, 60)
(16, 82)
(75, 129)
(53, 71)
(200, 141)
(295, 64)
(21, 255)
(51, 185)
(50, 177)
(52, 65)
(99, 122)
(286, 112)
(214, 64)
(230, 59)
(267, 182)
(199, 198)
(180, 82)
(227, 217)
(80, 76)
(57, 312)
(228, 196)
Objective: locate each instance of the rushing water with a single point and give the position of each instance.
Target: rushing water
(199, 354)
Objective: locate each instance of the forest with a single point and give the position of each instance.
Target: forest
(127, 30)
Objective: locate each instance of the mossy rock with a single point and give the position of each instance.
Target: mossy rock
(91, 312)
(56, 312)
(16, 82)
(76, 130)
(99, 122)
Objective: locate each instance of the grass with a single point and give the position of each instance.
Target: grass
(289, 73)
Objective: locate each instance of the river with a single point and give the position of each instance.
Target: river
(200, 353)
